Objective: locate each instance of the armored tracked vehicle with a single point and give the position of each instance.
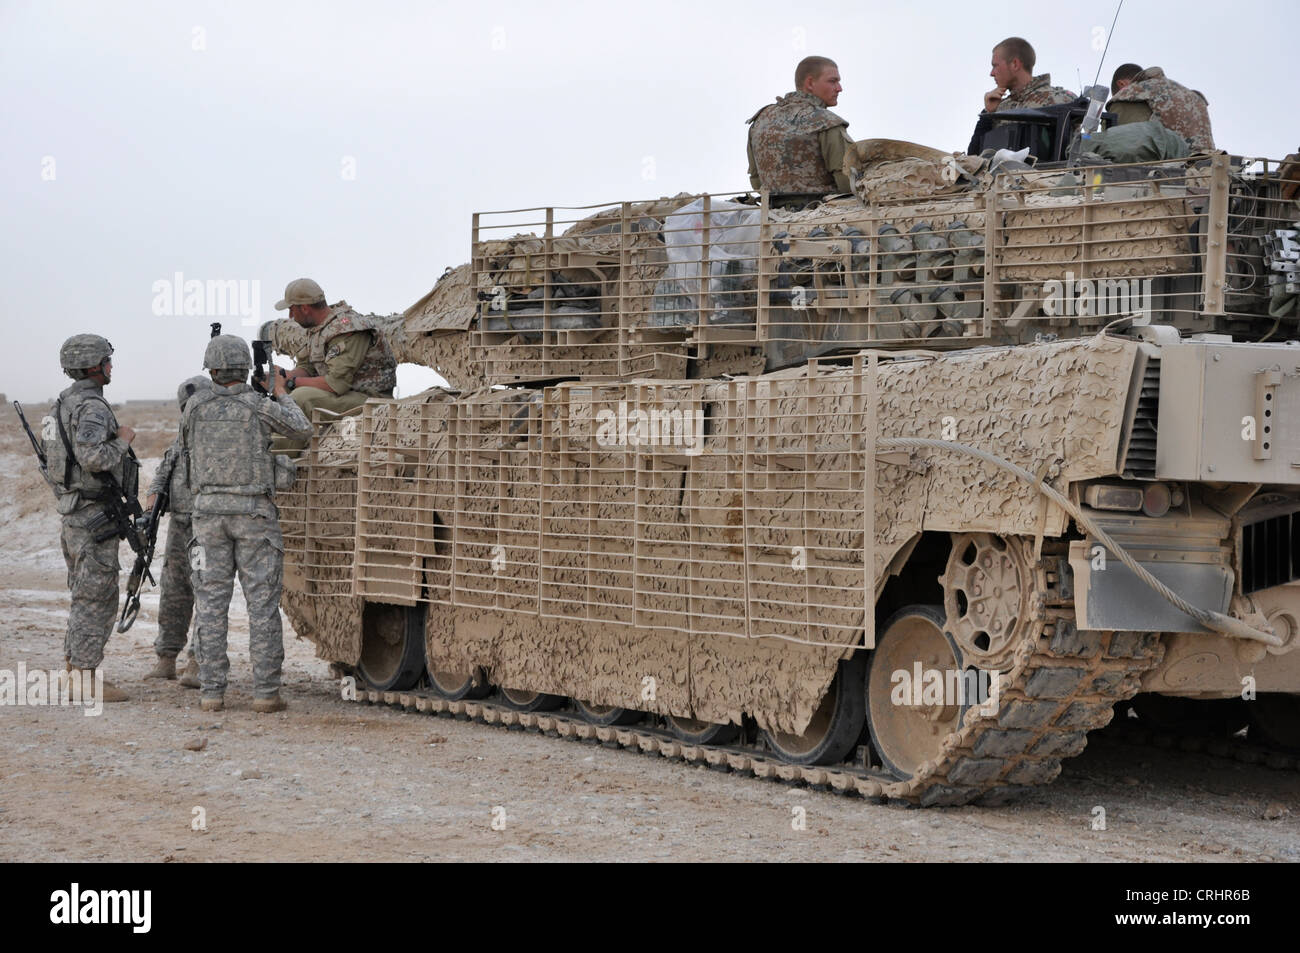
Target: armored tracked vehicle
(898, 492)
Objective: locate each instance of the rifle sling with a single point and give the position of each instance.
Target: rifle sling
(70, 455)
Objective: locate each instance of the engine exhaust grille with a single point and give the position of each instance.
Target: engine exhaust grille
(1140, 459)
(1270, 552)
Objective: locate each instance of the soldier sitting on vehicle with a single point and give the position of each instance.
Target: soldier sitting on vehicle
(1142, 94)
(346, 359)
(797, 145)
(1017, 88)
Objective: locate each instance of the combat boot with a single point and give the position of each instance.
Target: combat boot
(268, 705)
(190, 677)
(212, 703)
(85, 677)
(164, 668)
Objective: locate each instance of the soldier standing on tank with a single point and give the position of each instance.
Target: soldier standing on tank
(86, 446)
(1141, 94)
(797, 145)
(1017, 88)
(176, 591)
(346, 359)
(225, 432)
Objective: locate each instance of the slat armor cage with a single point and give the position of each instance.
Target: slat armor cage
(693, 286)
(740, 508)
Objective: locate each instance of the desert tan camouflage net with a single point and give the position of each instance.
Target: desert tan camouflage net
(885, 170)
(1046, 234)
(586, 546)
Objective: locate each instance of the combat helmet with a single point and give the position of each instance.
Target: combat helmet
(226, 352)
(84, 350)
(190, 388)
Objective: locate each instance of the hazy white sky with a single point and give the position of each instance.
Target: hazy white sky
(260, 141)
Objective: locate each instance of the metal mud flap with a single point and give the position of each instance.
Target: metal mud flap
(1190, 554)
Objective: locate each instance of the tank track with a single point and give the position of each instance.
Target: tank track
(1062, 684)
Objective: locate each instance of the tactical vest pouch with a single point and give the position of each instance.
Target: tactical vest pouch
(286, 471)
(103, 527)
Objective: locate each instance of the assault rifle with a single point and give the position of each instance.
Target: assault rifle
(147, 527)
(37, 446)
(264, 369)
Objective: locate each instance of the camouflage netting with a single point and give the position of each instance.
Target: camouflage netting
(1059, 410)
(886, 170)
(318, 520)
(434, 330)
(1137, 231)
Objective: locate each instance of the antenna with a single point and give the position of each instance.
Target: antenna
(1096, 96)
(1109, 34)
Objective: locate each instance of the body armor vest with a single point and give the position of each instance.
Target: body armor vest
(377, 375)
(226, 445)
(787, 148)
(1177, 107)
(57, 434)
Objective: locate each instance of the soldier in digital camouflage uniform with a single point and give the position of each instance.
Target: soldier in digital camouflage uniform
(1142, 94)
(1017, 88)
(176, 592)
(225, 432)
(797, 145)
(346, 359)
(83, 443)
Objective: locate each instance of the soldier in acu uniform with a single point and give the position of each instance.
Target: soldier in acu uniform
(1017, 88)
(346, 359)
(85, 446)
(797, 145)
(1142, 94)
(225, 431)
(176, 592)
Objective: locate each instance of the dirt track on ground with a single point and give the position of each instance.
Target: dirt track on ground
(330, 780)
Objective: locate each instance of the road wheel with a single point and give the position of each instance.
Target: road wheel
(835, 726)
(908, 725)
(392, 646)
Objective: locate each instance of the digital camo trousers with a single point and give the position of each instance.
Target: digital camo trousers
(252, 547)
(92, 577)
(176, 596)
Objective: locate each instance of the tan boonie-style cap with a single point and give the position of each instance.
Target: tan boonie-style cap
(300, 291)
